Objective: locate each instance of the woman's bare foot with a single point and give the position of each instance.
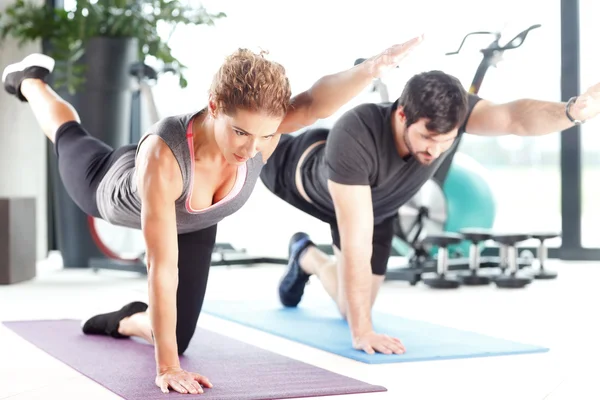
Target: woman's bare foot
(137, 325)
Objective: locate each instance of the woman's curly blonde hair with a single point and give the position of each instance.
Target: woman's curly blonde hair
(249, 81)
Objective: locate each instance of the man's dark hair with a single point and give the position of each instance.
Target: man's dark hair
(436, 96)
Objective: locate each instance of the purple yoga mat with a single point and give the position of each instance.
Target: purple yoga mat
(236, 369)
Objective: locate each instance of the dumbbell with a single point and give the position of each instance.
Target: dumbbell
(511, 280)
(442, 241)
(542, 254)
(475, 236)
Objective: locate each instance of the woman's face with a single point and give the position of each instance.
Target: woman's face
(245, 134)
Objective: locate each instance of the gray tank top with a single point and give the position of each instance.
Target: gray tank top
(117, 195)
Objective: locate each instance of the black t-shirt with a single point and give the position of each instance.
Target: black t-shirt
(360, 150)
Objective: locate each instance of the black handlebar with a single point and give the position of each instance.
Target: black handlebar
(518, 40)
(497, 34)
(515, 42)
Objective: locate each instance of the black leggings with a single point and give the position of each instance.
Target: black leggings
(195, 254)
(278, 175)
(83, 160)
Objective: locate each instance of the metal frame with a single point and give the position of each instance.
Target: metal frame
(570, 160)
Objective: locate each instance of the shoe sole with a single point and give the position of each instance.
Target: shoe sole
(32, 60)
(290, 242)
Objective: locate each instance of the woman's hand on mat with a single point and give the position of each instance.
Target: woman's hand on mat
(372, 342)
(181, 381)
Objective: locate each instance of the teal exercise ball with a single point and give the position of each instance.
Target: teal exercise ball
(470, 201)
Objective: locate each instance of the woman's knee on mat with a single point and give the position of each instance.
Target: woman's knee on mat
(183, 340)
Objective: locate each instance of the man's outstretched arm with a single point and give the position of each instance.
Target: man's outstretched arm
(529, 117)
(354, 215)
(331, 92)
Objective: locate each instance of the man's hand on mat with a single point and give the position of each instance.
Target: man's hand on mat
(391, 57)
(181, 381)
(372, 342)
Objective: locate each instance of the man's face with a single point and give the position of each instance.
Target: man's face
(425, 145)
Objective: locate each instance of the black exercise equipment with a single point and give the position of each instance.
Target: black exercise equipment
(511, 279)
(224, 254)
(542, 254)
(441, 280)
(476, 237)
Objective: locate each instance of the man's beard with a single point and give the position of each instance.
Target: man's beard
(411, 151)
(414, 154)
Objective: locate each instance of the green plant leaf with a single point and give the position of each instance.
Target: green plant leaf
(68, 31)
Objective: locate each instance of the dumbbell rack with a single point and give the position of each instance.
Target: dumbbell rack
(422, 263)
(413, 271)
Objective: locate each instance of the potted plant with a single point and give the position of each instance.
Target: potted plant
(145, 25)
(95, 44)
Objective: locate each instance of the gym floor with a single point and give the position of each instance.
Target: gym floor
(559, 314)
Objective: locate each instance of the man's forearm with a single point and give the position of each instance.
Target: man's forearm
(331, 92)
(356, 281)
(535, 117)
(162, 288)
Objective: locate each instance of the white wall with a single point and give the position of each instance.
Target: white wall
(22, 145)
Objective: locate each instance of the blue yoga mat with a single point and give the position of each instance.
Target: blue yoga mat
(322, 327)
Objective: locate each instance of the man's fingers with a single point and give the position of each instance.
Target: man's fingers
(383, 348)
(202, 380)
(392, 344)
(595, 88)
(396, 348)
(399, 343)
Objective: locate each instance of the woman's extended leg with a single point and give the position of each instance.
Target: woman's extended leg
(50, 110)
(82, 159)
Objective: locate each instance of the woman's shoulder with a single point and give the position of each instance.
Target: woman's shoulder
(173, 125)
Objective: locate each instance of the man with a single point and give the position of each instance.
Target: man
(374, 159)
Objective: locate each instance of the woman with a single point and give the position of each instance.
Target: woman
(184, 176)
